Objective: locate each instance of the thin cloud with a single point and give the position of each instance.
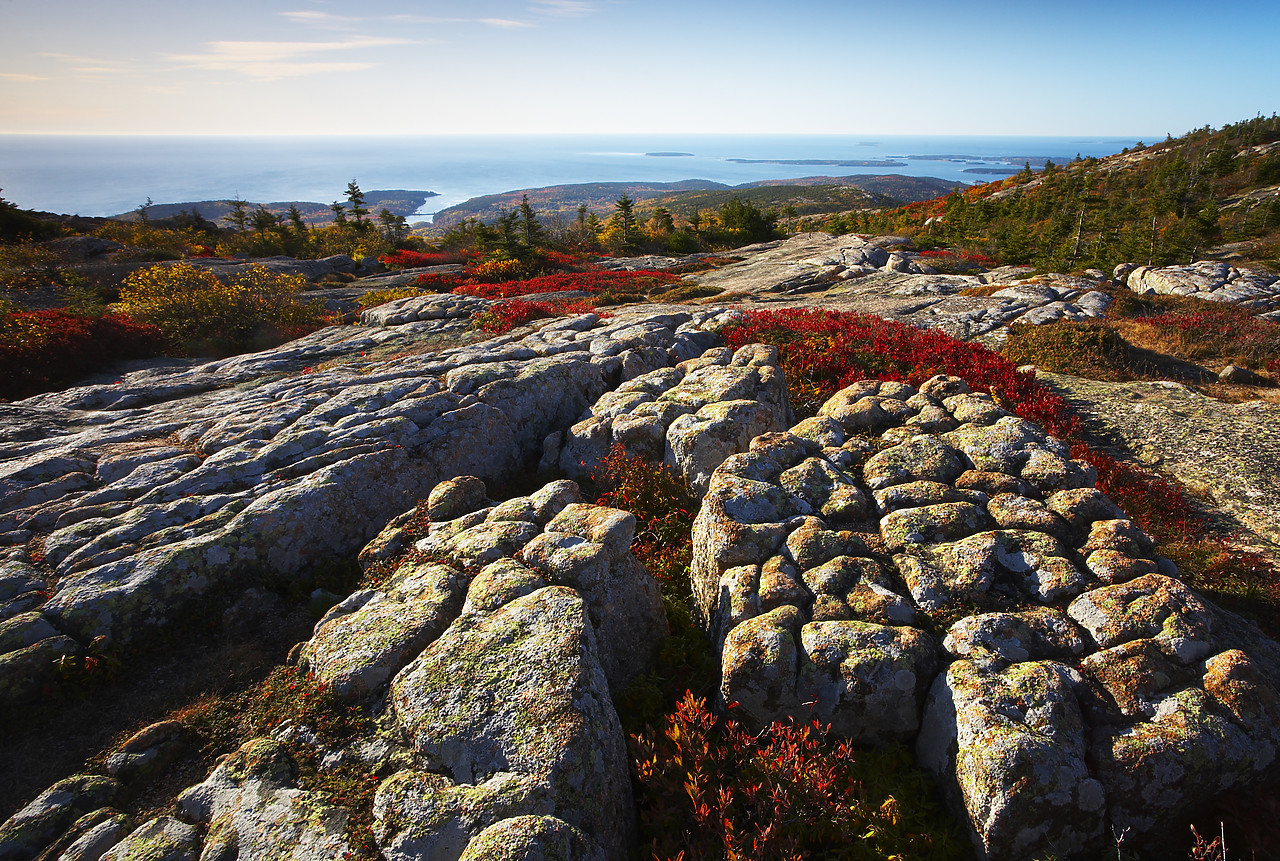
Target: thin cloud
(269, 60)
(88, 67)
(501, 23)
(18, 76)
(563, 8)
(326, 20)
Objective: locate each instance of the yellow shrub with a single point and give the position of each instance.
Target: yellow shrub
(196, 309)
(498, 269)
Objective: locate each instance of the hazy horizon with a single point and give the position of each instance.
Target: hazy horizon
(310, 67)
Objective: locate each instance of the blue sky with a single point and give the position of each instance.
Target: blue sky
(535, 66)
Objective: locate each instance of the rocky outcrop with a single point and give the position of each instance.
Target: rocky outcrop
(159, 494)
(1081, 689)
(1255, 289)
(1219, 451)
(909, 566)
(492, 648)
(853, 273)
(690, 417)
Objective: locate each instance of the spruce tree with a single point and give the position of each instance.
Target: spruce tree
(356, 198)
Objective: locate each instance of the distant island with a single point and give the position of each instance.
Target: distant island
(819, 161)
(991, 171)
(669, 154)
(396, 201)
(1033, 160)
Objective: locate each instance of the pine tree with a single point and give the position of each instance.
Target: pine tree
(626, 214)
(296, 223)
(356, 198)
(238, 217)
(530, 229)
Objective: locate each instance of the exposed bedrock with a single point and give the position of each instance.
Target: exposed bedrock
(161, 494)
(490, 652)
(1079, 686)
(1255, 289)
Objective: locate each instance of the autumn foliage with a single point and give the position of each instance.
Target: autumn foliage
(42, 350)
(713, 789)
(198, 311)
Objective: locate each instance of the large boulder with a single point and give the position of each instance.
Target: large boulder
(520, 690)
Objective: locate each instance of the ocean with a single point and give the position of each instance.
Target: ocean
(108, 175)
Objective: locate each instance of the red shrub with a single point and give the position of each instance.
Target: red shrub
(824, 351)
(711, 789)
(41, 350)
(1226, 329)
(436, 282)
(413, 259)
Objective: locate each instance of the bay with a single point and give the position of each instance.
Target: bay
(108, 175)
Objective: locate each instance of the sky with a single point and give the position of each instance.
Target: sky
(1121, 67)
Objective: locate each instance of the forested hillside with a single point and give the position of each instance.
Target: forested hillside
(1206, 194)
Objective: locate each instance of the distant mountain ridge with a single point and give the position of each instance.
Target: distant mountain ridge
(840, 192)
(398, 201)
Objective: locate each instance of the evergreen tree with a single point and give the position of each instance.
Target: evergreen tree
(355, 197)
(625, 212)
(238, 217)
(508, 231)
(296, 223)
(530, 230)
(393, 226)
(263, 221)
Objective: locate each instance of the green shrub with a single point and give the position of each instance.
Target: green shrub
(1084, 349)
(198, 311)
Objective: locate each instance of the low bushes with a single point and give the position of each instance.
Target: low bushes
(712, 789)
(1086, 349)
(824, 351)
(1220, 333)
(42, 350)
(506, 315)
(405, 259)
(198, 312)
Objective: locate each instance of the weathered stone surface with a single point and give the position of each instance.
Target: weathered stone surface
(1037, 634)
(420, 815)
(162, 489)
(1255, 289)
(1222, 451)
(1156, 769)
(1009, 749)
(587, 548)
(868, 681)
(454, 497)
(692, 416)
(356, 653)
(532, 838)
(91, 836)
(147, 752)
(162, 839)
(922, 458)
(38, 824)
(521, 690)
(253, 808)
(25, 671)
(1151, 606)
(759, 665)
